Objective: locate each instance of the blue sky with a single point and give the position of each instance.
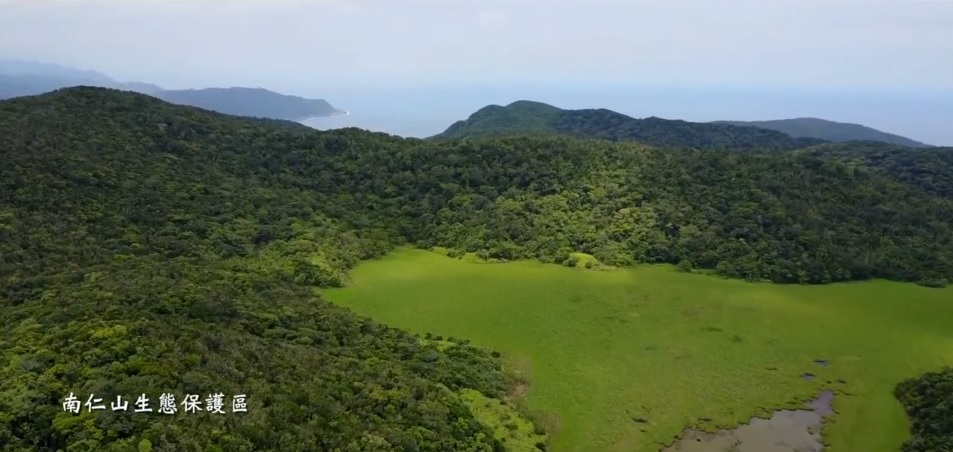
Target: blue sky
(348, 46)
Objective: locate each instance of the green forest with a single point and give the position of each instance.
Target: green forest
(153, 248)
(927, 400)
(829, 130)
(539, 119)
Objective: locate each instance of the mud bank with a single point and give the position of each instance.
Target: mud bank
(785, 431)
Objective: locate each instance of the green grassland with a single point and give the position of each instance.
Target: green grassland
(623, 360)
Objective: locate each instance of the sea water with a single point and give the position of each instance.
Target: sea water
(422, 111)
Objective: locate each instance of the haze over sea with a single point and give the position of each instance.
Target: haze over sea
(421, 111)
(412, 68)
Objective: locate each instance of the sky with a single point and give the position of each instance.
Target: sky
(350, 47)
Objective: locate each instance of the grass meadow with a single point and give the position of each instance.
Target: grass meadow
(625, 359)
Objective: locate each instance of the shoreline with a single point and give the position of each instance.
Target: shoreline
(332, 115)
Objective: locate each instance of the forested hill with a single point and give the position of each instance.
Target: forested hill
(929, 169)
(257, 102)
(151, 248)
(828, 130)
(28, 78)
(147, 248)
(535, 118)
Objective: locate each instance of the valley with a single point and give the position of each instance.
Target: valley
(624, 359)
(580, 294)
(521, 226)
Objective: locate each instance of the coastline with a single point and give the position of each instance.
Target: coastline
(334, 114)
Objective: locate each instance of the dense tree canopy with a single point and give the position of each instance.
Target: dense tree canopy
(146, 247)
(929, 170)
(929, 403)
(829, 130)
(535, 119)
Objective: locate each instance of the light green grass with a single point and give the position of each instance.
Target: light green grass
(517, 433)
(603, 348)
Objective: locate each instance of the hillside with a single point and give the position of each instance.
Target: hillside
(28, 78)
(255, 102)
(150, 248)
(27, 68)
(828, 130)
(17, 85)
(520, 117)
(929, 169)
(534, 118)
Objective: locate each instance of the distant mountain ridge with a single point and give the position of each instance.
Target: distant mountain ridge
(12, 67)
(535, 118)
(258, 102)
(27, 78)
(829, 130)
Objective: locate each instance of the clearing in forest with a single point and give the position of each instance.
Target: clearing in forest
(622, 360)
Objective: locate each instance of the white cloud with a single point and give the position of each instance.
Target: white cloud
(491, 19)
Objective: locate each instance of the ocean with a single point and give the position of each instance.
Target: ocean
(427, 110)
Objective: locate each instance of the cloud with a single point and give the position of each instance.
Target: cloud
(491, 19)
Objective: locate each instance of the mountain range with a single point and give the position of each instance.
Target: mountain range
(26, 78)
(526, 117)
(151, 248)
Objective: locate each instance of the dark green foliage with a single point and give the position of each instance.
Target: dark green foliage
(930, 170)
(684, 265)
(534, 119)
(520, 117)
(752, 215)
(929, 403)
(146, 248)
(151, 248)
(609, 125)
(828, 130)
(786, 218)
